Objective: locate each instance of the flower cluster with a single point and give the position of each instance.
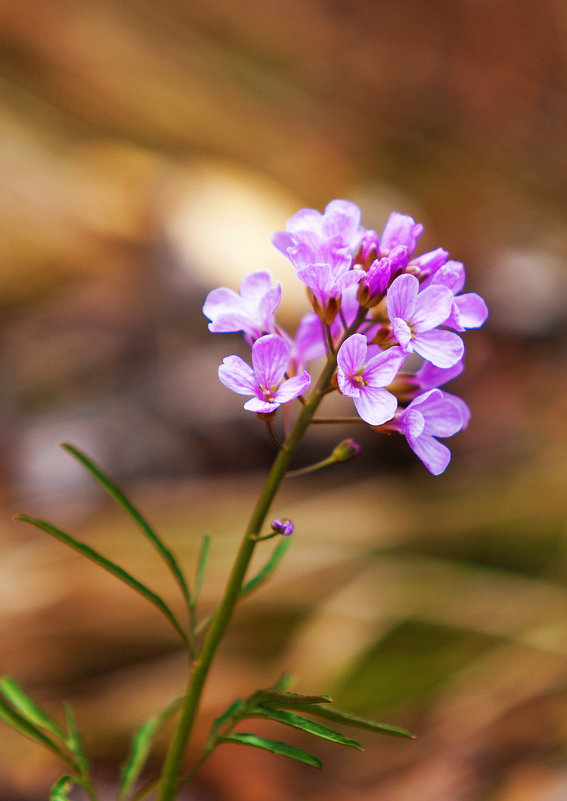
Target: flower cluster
(374, 303)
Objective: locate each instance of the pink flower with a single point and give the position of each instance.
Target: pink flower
(251, 311)
(414, 317)
(265, 381)
(363, 372)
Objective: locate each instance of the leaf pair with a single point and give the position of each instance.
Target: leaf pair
(109, 565)
(21, 713)
(275, 704)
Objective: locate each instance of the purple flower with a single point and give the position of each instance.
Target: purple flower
(339, 224)
(270, 357)
(414, 317)
(251, 311)
(430, 415)
(284, 527)
(363, 379)
(320, 247)
(326, 285)
(468, 310)
(400, 229)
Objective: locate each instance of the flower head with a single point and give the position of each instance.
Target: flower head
(432, 414)
(414, 317)
(321, 248)
(363, 372)
(283, 526)
(265, 381)
(251, 311)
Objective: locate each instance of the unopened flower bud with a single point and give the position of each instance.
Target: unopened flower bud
(284, 526)
(345, 451)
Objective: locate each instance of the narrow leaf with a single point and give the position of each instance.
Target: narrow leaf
(287, 700)
(111, 567)
(201, 564)
(29, 730)
(282, 749)
(74, 742)
(283, 684)
(60, 790)
(141, 747)
(23, 704)
(349, 719)
(277, 555)
(115, 492)
(299, 722)
(231, 712)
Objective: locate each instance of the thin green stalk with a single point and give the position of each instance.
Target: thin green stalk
(170, 781)
(202, 664)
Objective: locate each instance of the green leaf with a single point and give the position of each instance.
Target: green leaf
(299, 722)
(60, 790)
(23, 704)
(115, 492)
(110, 567)
(282, 749)
(32, 732)
(201, 564)
(232, 712)
(349, 719)
(278, 554)
(74, 742)
(141, 747)
(287, 700)
(283, 684)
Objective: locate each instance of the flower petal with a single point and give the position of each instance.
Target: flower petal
(434, 455)
(304, 220)
(430, 377)
(411, 423)
(443, 417)
(254, 286)
(400, 229)
(238, 376)
(432, 307)
(320, 280)
(342, 218)
(282, 242)
(442, 348)
(402, 296)
(309, 342)
(464, 409)
(375, 405)
(258, 405)
(352, 353)
(292, 387)
(267, 306)
(402, 332)
(220, 301)
(270, 356)
(452, 275)
(473, 311)
(383, 368)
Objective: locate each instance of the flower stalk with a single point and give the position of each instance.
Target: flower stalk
(201, 665)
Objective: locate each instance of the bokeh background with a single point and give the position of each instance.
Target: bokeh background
(149, 150)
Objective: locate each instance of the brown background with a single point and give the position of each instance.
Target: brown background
(149, 149)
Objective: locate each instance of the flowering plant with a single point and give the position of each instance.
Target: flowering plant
(374, 304)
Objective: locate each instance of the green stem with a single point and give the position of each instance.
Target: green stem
(170, 781)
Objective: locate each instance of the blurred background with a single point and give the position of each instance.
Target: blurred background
(149, 151)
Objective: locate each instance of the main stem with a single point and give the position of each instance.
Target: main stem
(170, 780)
